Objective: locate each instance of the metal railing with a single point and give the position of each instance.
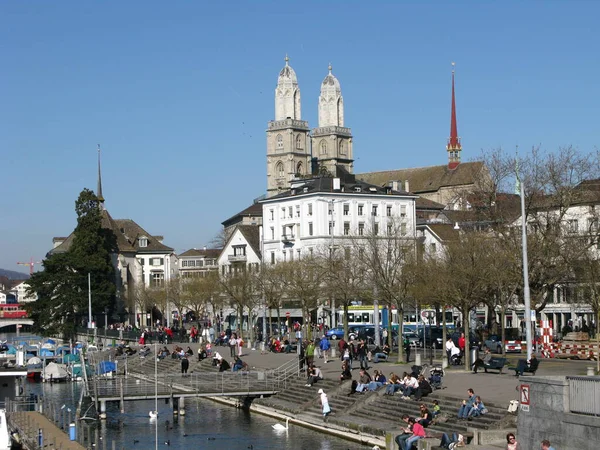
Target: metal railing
(208, 383)
(584, 395)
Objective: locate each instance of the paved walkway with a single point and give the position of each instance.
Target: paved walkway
(494, 387)
(28, 425)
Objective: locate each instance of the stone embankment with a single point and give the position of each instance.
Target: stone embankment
(369, 418)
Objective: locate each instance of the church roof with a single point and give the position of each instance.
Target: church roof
(427, 179)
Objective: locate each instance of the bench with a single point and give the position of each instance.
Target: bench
(526, 368)
(496, 364)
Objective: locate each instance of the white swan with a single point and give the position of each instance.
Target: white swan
(153, 414)
(280, 427)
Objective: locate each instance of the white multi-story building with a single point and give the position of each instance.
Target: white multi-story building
(319, 212)
(20, 291)
(197, 262)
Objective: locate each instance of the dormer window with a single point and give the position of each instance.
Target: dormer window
(143, 241)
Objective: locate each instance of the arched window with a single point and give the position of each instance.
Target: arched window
(298, 141)
(299, 168)
(342, 148)
(323, 148)
(279, 142)
(279, 170)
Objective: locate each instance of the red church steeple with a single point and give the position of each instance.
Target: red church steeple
(454, 148)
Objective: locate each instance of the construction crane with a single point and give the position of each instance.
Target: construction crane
(31, 263)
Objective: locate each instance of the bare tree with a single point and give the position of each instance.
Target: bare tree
(241, 287)
(200, 292)
(345, 278)
(386, 255)
(462, 276)
(302, 280)
(271, 284)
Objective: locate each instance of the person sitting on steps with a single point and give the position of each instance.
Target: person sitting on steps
(378, 381)
(363, 380)
(346, 372)
(393, 384)
(477, 409)
(315, 375)
(463, 411)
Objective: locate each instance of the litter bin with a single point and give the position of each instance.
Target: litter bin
(474, 355)
(72, 432)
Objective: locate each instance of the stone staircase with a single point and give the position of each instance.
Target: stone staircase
(374, 413)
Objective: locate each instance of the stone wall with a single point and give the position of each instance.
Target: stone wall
(549, 418)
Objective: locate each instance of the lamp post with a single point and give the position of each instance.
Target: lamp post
(331, 210)
(526, 295)
(264, 297)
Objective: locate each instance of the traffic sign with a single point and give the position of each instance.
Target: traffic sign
(525, 398)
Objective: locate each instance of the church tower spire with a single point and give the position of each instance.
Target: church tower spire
(331, 141)
(454, 147)
(99, 188)
(288, 150)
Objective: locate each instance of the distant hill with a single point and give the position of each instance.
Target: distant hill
(13, 275)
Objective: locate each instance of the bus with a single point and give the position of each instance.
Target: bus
(12, 311)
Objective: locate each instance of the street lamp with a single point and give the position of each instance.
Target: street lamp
(331, 210)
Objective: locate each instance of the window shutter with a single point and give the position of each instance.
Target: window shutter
(162, 261)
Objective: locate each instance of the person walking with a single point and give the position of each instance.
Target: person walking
(310, 353)
(185, 364)
(324, 405)
(324, 345)
(406, 344)
(362, 355)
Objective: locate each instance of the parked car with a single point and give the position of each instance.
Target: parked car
(494, 343)
(412, 337)
(335, 333)
(338, 332)
(434, 335)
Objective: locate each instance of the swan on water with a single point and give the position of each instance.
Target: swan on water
(153, 414)
(280, 427)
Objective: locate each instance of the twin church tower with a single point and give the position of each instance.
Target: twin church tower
(292, 149)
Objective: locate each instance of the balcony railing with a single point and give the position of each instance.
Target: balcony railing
(237, 258)
(584, 395)
(287, 237)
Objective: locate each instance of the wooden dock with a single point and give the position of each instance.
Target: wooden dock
(28, 425)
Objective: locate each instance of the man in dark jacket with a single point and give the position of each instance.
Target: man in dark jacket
(185, 364)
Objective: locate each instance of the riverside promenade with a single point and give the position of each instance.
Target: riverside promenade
(371, 418)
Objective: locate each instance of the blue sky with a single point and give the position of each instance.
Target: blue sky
(179, 94)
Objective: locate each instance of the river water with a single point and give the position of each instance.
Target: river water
(206, 425)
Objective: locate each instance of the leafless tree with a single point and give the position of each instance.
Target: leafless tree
(241, 288)
(386, 255)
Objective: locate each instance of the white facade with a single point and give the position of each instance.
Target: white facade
(239, 250)
(297, 225)
(154, 269)
(20, 290)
